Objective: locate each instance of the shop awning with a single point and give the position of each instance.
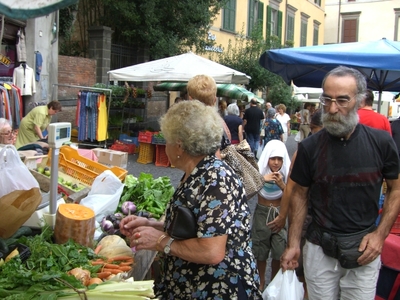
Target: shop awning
(28, 9)
(223, 90)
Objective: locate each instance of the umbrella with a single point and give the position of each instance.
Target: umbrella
(177, 69)
(378, 60)
(27, 9)
(223, 90)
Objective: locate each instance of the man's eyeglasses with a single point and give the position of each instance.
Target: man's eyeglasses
(11, 132)
(341, 101)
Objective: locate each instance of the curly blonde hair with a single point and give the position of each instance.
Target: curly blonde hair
(195, 126)
(202, 88)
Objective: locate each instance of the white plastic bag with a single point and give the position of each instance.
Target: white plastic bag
(260, 150)
(284, 286)
(104, 195)
(15, 175)
(298, 138)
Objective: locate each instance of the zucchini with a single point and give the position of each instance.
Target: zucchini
(24, 230)
(3, 247)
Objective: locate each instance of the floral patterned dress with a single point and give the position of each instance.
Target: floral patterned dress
(218, 201)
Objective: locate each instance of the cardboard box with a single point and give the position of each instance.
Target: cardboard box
(112, 157)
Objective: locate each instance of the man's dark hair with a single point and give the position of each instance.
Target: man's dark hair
(369, 98)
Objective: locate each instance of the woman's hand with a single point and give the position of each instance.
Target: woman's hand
(130, 223)
(145, 237)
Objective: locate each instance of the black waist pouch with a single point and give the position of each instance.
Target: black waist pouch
(343, 247)
(348, 248)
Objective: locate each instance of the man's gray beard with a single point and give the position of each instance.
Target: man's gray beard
(338, 124)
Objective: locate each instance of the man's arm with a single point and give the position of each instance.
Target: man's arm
(295, 202)
(372, 243)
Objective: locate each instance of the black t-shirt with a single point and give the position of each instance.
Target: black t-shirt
(233, 122)
(395, 125)
(345, 176)
(253, 115)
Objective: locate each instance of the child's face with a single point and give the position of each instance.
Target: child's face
(275, 163)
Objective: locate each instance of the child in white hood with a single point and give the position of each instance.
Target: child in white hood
(267, 235)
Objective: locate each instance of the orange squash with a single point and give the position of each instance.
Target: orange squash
(76, 222)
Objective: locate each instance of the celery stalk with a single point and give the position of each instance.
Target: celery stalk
(137, 290)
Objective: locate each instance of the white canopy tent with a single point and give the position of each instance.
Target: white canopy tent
(179, 68)
(307, 94)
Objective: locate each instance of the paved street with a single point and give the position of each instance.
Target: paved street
(175, 175)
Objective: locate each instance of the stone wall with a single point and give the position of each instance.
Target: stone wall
(77, 71)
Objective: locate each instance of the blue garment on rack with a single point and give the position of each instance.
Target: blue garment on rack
(39, 62)
(82, 116)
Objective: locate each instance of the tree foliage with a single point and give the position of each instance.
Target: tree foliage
(243, 55)
(165, 28)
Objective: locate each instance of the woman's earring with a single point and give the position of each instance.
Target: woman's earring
(178, 156)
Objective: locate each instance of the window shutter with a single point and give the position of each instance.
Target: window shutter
(269, 12)
(280, 25)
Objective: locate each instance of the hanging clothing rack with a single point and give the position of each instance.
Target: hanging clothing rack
(53, 96)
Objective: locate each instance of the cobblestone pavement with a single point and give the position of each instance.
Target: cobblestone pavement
(175, 175)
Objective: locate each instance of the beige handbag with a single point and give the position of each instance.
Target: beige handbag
(243, 162)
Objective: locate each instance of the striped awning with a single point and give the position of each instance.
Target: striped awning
(223, 90)
(28, 9)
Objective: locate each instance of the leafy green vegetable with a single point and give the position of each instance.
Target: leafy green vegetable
(36, 278)
(147, 193)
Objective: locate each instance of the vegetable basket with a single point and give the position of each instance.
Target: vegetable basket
(82, 168)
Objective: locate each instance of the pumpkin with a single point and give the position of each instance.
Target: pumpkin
(76, 222)
(114, 245)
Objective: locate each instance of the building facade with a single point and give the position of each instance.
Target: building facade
(361, 20)
(294, 22)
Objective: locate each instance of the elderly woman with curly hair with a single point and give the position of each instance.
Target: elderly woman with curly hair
(218, 262)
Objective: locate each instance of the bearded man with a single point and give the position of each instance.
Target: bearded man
(338, 173)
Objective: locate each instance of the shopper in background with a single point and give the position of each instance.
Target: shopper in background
(234, 123)
(7, 134)
(271, 129)
(284, 119)
(35, 123)
(305, 116)
(370, 117)
(253, 117)
(219, 261)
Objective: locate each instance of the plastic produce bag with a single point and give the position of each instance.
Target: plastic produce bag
(298, 137)
(284, 286)
(260, 150)
(104, 195)
(15, 175)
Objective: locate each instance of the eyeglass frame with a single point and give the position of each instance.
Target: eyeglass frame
(12, 132)
(334, 100)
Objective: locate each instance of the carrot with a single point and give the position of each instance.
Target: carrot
(112, 271)
(97, 250)
(103, 275)
(126, 263)
(125, 268)
(111, 266)
(121, 257)
(96, 263)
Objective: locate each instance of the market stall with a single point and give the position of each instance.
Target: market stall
(49, 257)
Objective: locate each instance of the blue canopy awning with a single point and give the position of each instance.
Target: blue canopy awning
(378, 60)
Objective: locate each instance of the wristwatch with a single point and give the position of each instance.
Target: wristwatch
(167, 248)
